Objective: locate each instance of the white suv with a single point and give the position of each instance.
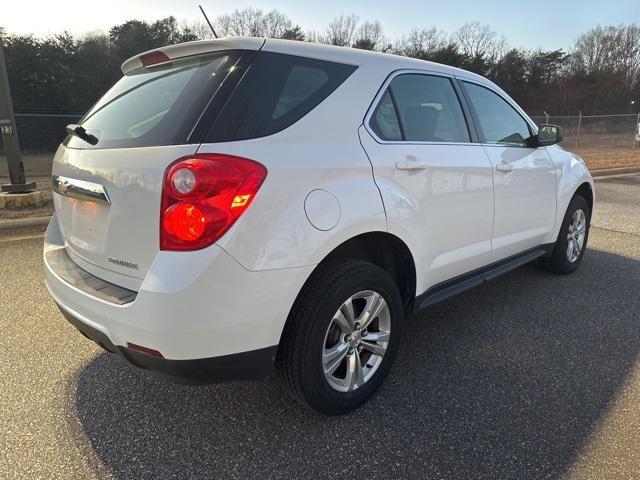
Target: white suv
(239, 204)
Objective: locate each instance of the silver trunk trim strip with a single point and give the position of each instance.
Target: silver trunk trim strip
(80, 189)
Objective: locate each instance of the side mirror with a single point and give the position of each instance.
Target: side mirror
(549, 135)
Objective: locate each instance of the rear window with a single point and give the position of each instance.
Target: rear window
(276, 91)
(147, 107)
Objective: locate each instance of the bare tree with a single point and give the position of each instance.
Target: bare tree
(593, 49)
(199, 28)
(614, 49)
(315, 37)
(420, 43)
(276, 23)
(630, 53)
(253, 22)
(480, 41)
(341, 30)
(369, 36)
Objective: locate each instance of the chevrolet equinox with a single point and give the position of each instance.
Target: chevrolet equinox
(235, 206)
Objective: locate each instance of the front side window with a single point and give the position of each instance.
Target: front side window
(499, 121)
(426, 107)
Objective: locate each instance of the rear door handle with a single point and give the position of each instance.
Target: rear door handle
(411, 163)
(504, 167)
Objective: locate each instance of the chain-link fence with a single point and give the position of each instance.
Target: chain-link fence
(592, 131)
(40, 135)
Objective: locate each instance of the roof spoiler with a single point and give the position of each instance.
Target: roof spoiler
(171, 52)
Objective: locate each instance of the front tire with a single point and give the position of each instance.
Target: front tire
(341, 337)
(572, 239)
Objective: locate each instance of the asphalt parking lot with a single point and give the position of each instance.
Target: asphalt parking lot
(530, 376)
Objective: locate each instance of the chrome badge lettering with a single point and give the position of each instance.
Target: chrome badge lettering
(123, 263)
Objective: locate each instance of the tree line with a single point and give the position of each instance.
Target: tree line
(599, 74)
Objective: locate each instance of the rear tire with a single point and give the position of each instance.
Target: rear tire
(328, 363)
(572, 239)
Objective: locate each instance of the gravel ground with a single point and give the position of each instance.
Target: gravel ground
(608, 157)
(530, 376)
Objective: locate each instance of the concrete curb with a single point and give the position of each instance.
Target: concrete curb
(605, 172)
(23, 223)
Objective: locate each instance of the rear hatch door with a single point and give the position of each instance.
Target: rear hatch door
(107, 196)
(108, 214)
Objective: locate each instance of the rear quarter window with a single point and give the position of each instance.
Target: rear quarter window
(277, 91)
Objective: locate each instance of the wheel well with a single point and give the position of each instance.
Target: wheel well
(585, 191)
(389, 253)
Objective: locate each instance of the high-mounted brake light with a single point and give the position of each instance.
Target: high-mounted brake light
(153, 58)
(203, 196)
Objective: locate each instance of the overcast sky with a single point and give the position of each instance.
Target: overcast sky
(529, 24)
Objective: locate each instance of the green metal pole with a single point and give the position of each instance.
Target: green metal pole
(10, 136)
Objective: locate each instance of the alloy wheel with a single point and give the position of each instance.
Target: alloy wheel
(356, 341)
(576, 235)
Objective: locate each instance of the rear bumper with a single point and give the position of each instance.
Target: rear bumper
(253, 365)
(210, 318)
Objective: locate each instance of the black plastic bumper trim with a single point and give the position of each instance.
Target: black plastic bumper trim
(252, 365)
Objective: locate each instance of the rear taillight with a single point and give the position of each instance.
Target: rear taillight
(203, 196)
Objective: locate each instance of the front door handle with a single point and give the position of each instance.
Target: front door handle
(411, 163)
(504, 167)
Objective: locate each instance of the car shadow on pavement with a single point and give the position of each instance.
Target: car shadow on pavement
(505, 381)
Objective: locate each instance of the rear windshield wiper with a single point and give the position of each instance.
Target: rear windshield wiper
(82, 134)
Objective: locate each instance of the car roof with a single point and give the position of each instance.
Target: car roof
(352, 56)
(356, 56)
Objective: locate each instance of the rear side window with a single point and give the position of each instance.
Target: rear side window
(427, 108)
(277, 91)
(147, 107)
(499, 121)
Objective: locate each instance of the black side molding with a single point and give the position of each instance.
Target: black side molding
(459, 284)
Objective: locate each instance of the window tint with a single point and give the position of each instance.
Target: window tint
(277, 91)
(301, 84)
(428, 109)
(499, 121)
(385, 120)
(146, 107)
